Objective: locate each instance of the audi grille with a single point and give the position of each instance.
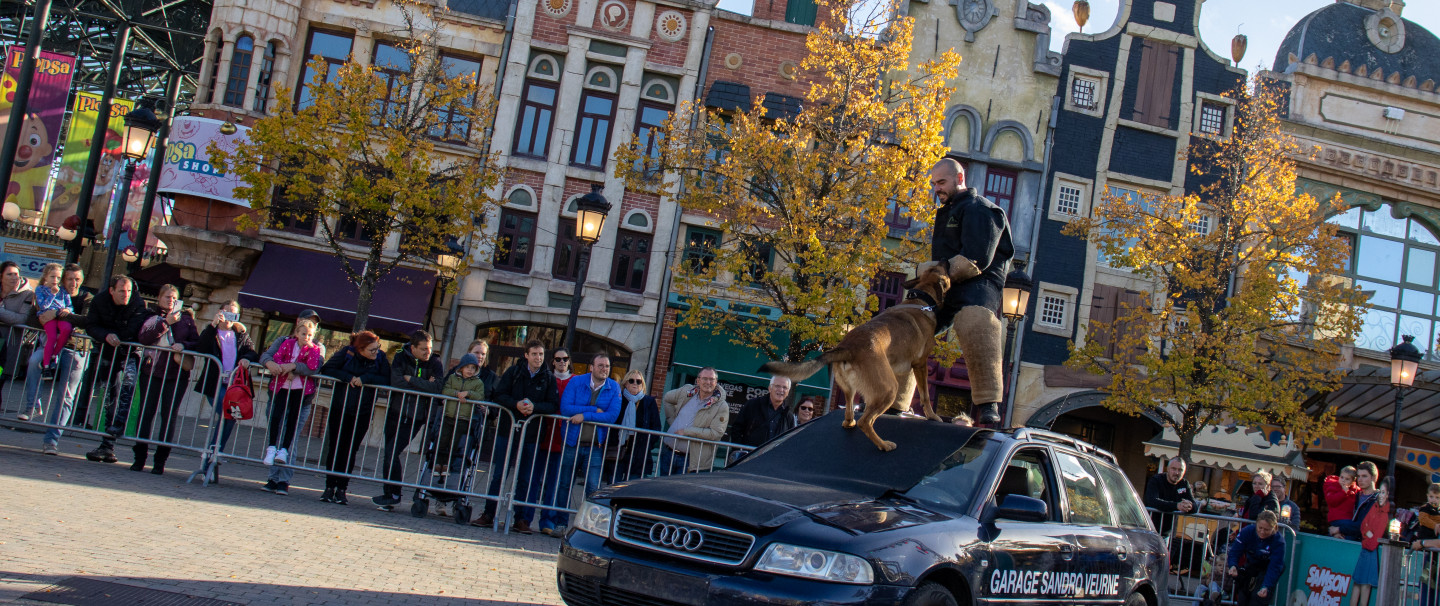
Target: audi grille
(682, 538)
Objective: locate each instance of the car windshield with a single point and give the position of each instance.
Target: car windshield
(946, 459)
(953, 483)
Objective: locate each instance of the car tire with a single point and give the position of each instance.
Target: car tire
(931, 594)
(1137, 599)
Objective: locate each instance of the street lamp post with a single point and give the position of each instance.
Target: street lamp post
(140, 127)
(1404, 363)
(1014, 305)
(590, 211)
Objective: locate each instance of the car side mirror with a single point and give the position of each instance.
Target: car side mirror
(1022, 508)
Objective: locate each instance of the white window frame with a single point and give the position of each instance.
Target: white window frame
(1227, 124)
(1068, 294)
(1086, 188)
(1102, 87)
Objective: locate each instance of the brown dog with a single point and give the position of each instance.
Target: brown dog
(884, 359)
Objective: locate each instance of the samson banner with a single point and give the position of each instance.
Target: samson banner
(187, 168)
(65, 195)
(40, 134)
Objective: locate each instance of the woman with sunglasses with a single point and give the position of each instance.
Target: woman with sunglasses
(545, 473)
(805, 412)
(640, 411)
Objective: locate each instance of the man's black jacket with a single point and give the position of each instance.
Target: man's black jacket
(975, 227)
(516, 385)
(759, 421)
(1165, 497)
(106, 318)
(427, 376)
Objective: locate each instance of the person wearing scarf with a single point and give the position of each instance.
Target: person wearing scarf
(694, 411)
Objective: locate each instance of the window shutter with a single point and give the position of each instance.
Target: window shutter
(1130, 301)
(1102, 312)
(1163, 87)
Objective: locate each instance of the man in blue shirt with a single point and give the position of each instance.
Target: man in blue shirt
(1257, 557)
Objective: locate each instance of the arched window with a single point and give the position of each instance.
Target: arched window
(657, 100)
(262, 85)
(239, 71)
(596, 119)
(1394, 261)
(537, 108)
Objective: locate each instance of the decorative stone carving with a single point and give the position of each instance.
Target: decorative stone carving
(557, 8)
(670, 25)
(734, 61)
(974, 15)
(1386, 30)
(614, 15)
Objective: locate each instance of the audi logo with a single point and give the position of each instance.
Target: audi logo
(677, 537)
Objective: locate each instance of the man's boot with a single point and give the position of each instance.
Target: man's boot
(987, 414)
(105, 452)
(142, 452)
(161, 454)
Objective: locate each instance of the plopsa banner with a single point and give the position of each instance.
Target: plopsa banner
(1323, 570)
(187, 168)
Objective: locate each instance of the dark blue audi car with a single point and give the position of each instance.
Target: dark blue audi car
(818, 515)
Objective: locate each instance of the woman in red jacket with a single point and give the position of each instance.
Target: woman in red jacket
(1340, 495)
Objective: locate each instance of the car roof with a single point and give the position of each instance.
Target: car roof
(1030, 434)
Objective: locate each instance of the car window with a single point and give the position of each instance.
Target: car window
(1028, 474)
(1087, 501)
(1128, 510)
(953, 483)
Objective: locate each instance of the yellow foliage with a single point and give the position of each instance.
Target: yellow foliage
(416, 166)
(1246, 319)
(810, 193)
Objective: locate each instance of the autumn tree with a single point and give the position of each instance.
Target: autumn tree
(386, 151)
(1248, 309)
(801, 200)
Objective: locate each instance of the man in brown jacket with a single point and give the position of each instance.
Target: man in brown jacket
(693, 411)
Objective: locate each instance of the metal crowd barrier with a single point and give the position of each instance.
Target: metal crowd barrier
(166, 411)
(1199, 546)
(141, 390)
(1420, 578)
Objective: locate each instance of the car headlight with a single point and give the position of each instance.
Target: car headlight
(593, 518)
(819, 564)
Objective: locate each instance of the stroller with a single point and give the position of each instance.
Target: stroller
(440, 444)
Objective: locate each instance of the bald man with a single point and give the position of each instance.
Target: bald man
(972, 239)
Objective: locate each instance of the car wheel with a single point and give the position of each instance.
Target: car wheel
(933, 594)
(1137, 599)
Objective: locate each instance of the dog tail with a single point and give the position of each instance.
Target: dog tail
(799, 371)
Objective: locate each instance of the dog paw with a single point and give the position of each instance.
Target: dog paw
(887, 446)
(848, 425)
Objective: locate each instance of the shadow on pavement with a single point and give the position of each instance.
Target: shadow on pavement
(242, 489)
(87, 589)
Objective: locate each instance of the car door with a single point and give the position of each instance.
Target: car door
(1026, 559)
(1146, 549)
(1100, 565)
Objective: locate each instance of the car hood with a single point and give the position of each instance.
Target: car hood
(762, 502)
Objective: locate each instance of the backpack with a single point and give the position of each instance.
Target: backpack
(239, 401)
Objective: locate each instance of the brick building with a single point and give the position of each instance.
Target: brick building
(754, 57)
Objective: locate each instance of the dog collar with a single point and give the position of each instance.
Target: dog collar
(923, 296)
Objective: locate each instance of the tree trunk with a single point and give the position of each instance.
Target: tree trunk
(1187, 442)
(362, 302)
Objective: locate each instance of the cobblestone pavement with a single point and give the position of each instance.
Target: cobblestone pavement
(66, 517)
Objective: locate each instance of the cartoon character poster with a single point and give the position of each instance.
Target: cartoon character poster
(65, 195)
(41, 127)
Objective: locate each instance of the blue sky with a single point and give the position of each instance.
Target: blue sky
(1265, 22)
